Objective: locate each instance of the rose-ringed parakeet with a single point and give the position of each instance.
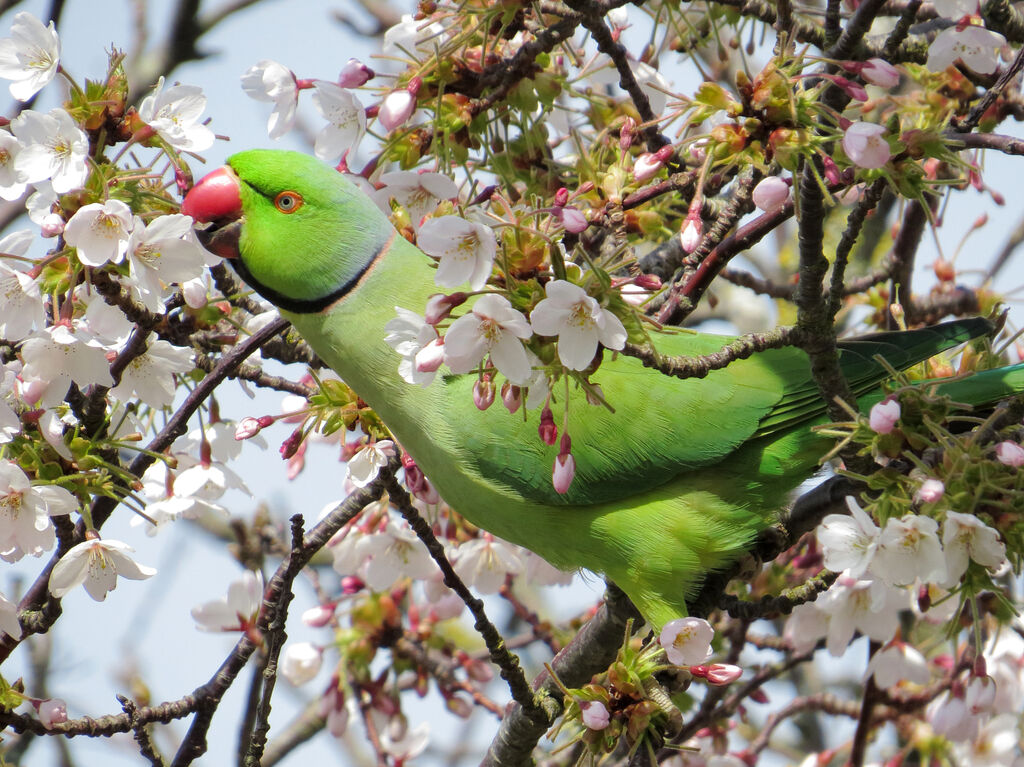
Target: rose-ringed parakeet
(672, 485)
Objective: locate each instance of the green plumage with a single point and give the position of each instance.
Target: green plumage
(673, 484)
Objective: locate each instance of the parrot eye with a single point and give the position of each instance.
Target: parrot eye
(288, 202)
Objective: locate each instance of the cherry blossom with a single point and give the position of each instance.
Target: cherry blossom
(237, 611)
(868, 606)
(955, 9)
(19, 292)
(40, 208)
(466, 250)
(883, 416)
(364, 466)
(346, 121)
(484, 562)
(908, 549)
(29, 57)
(805, 626)
(976, 47)
(99, 232)
(407, 743)
(53, 147)
(61, 354)
(408, 334)
(717, 673)
(150, 376)
(300, 662)
(579, 322)
(848, 542)
(381, 558)
(9, 622)
(493, 327)
(865, 145)
(418, 193)
(966, 538)
(881, 73)
(161, 252)
(994, 745)
(687, 641)
(411, 37)
(96, 564)
(12, 186)
(270, 81)
(25, 511)
(176, 114)
(898, 663)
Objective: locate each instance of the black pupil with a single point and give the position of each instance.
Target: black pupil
(287, 201)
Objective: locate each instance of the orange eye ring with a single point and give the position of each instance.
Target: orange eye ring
(288, 201)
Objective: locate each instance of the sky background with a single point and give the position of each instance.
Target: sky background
(147, 625)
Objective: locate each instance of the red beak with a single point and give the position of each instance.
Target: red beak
(216, 201)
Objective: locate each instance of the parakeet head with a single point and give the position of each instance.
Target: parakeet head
(301, 233)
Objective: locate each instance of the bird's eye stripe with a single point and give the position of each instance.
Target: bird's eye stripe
(288, 202)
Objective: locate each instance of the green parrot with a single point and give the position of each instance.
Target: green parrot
(672, 485)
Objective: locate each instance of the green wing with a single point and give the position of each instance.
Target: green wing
(664, 427)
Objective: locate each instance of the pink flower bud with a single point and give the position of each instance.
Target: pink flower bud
(561, 197)
(931, 491)
(563, 473)
(717, 673)
(429, 358)
(758, 695)
(296, 462)
(595, 714)
(459, 706)
(1010, 453)
(547, 429)
(399, 105)
(771, 194)
(52, 225)
(483, 393)
(291, 445)
(439, 306)
(832, 174)
(884, 416)
(881, 73)
(354, 74)
(351, 584)
(247, 427)
(689, 237)
(52, 711)
(572, 219)
(626, 133)
(319, 616)
(511, 397)
(646, 166)
(865, 145)
(647, 281)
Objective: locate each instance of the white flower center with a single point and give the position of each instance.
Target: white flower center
(10, 504)
(107, 225)
(580, 315)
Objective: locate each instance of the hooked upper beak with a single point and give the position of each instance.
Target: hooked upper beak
(215, 204)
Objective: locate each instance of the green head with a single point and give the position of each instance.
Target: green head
(301, 233)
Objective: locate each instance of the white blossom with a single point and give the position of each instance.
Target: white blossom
(364, 466)
(346, 120)
(382, 557)
(848, 542)
(29, 57)
(273, 82)
(96, 564)
(61, 354)
(22, 302)
(12, 185)
(161, 252)
(687, 641)
(9, 622)
(25, 511)
(484, 562)
(411, 37)
(977, 47)
(493, 327)
(868, 606)
(466, 250)
(237, 611)
(176, 114)
(99, 232)
(53, 147)
(898, 663)
(805, 626)
(909, 549)
(150, 376)
(579, 321)
(418, 193)
(965, 537)
(407, 743)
